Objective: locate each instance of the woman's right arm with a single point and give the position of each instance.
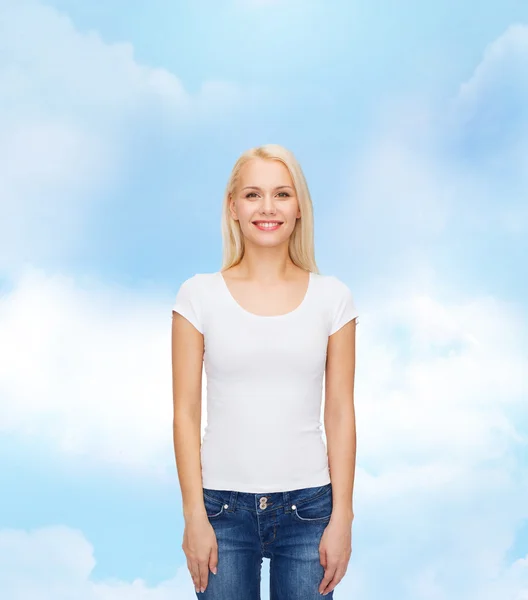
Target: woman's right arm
(199, 538)
(187, 361)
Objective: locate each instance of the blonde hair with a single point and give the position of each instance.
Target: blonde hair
(301, 245)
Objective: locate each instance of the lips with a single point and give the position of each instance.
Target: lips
(267, 225)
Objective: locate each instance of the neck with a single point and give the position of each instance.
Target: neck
(265, 264)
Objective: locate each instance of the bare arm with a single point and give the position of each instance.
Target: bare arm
(340, 419)
(187, 360)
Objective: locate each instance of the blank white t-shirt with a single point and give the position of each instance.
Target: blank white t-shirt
(264, 384)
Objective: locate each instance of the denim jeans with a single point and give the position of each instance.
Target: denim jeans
(285, 527)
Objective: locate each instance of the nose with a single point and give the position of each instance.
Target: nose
(268, 205)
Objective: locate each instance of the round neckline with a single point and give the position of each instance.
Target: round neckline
(291, 312)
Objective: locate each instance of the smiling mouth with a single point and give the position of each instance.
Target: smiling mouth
(267, 225)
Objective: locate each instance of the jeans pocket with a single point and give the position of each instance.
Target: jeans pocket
(214, 507)
(317, 509)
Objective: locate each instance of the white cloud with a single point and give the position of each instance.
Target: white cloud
(67, 101)
(489, 117)
(464, 358)
(99, 370)
(56, 563)
(428, 175)
(99, 365)
(505, 61)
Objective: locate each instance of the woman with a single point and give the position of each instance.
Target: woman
(267, 327)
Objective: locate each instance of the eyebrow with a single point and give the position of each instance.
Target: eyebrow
(255, 187)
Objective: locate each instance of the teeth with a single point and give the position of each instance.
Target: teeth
(267, 224)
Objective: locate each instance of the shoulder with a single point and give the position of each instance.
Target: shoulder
(196, 290)
(197, 282)
(191, 299)
(338, 301)
(332, 287)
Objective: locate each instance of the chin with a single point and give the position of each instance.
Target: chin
(269, 243)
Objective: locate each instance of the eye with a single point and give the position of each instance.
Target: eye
(254, 194)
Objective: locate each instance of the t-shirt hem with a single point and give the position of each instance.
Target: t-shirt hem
(231, 486)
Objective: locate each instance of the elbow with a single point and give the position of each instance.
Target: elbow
(340, 414)
(186, 412)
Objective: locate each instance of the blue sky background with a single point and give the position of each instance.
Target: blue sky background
(119, 124)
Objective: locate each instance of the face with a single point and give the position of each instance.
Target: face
(265, 193)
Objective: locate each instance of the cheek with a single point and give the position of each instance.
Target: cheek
(245, 216)
(291, 211)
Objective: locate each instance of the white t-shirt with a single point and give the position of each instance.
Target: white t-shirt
(264, 384)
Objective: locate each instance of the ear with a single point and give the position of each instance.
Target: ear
(232, 207)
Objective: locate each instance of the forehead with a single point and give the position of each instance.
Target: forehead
(265, 172)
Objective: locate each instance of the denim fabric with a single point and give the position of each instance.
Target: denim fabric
(286, 527)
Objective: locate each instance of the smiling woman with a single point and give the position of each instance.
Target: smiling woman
(270, 206)
(268, 327)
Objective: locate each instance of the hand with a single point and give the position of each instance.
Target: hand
(201, 549)
(335, 549)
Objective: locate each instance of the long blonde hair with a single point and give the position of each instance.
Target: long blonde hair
(301, 245)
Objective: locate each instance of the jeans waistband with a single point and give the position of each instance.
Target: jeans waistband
(267, 501)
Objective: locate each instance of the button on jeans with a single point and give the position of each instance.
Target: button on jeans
(285, 527)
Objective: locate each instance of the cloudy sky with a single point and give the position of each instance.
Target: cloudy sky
(119, 124)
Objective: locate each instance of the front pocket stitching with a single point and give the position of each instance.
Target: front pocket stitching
(312, 519)
(216, 500)
(216, 514)
(328, 491)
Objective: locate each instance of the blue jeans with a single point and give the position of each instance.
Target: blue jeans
(285, 527)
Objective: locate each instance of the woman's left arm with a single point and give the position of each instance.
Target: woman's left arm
(340, 418)
(340, 427)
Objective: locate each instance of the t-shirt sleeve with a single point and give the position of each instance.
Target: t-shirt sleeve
(344, 307)
(187, 302)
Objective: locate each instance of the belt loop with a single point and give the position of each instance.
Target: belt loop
(232, 501)
(286, 499)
